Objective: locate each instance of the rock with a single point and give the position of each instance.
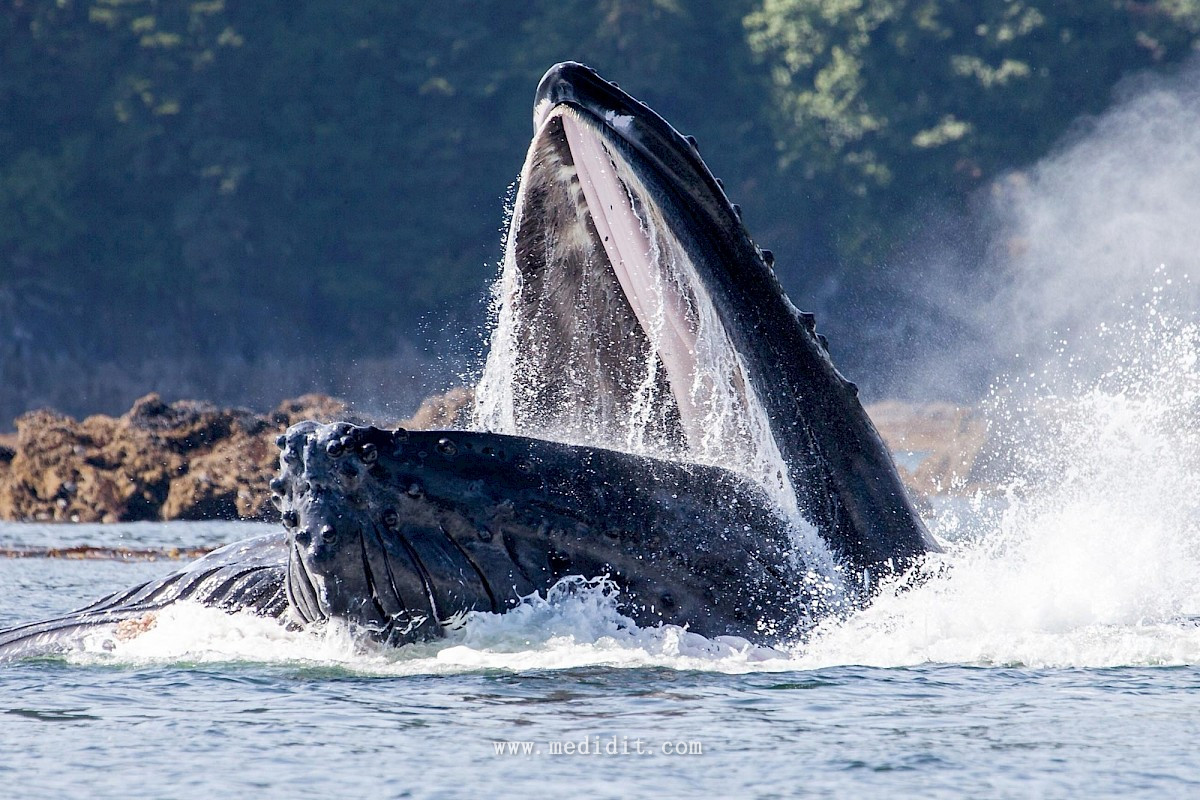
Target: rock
(449, 410)
(182, 460)
(936, 445)
(8, 451)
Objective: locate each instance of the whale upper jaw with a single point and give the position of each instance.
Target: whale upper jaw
(636, 312)
(607, 310)
(673, 155)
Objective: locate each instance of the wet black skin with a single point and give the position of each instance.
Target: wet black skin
(407, 530)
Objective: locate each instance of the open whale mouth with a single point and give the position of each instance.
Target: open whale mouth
(644, 350)
(635, 313)
(607, 333)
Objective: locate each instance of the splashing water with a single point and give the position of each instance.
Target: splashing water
(1089, 556)
(1086, 556)
(723, 419)
(578, 624)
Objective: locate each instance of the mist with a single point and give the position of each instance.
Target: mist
(1102, 232)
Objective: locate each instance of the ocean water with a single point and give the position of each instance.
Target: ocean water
(1053, 650)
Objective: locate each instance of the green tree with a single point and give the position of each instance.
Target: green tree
(883, 104)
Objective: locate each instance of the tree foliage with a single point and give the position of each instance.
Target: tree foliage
(208, 176)
(882, 103)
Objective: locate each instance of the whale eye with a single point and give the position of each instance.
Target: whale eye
(447, 447)
(391, 519)
(369, 453)
(328, 534)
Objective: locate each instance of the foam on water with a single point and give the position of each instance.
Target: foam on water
(578, 624)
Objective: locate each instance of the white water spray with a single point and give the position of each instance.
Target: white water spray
(723, 419)
(1090, 555)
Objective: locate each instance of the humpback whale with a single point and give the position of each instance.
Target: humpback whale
(654, 411)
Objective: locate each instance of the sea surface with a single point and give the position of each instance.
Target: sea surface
(1052, 650)
(948, 690)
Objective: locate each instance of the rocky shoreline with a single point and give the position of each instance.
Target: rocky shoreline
(190, 460)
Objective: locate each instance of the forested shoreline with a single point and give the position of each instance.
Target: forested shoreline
(223, 199)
